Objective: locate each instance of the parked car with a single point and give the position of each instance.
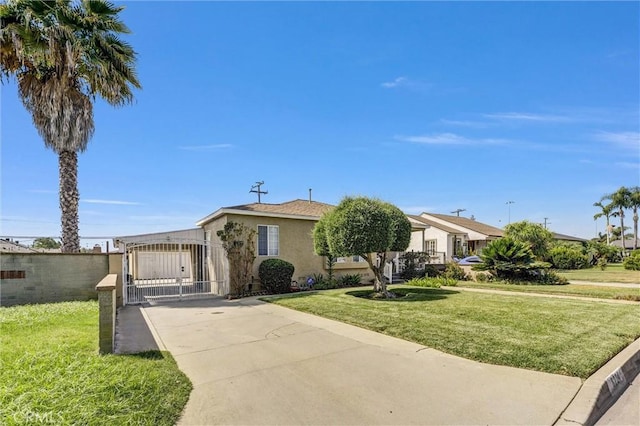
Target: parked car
(470, 260)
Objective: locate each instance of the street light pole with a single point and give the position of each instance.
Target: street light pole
(508, 203)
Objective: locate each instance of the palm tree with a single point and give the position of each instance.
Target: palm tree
(620, 200)
(63, 55)
(634, 203)
(607, 212)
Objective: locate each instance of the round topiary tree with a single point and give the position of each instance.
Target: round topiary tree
(275, 275)
(365, 227)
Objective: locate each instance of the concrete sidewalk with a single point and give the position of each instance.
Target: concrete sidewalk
(257, 363)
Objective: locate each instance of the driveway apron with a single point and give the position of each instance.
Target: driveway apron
(256, 363)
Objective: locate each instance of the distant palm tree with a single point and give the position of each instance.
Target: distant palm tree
(634, 203)
(607, 212)
(63, 55)
(621, 200)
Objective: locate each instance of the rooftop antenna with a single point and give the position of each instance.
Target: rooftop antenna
(457, 211)
(257, 191)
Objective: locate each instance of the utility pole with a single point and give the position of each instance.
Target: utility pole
(546, 223)
(457, 211)
(257, 191)
(509, 204)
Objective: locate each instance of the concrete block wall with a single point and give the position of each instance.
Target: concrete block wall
(28, 278)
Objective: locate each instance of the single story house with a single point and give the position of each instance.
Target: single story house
(448, 236)
(285, 231)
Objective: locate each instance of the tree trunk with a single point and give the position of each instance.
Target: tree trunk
(69, 198)
(635, 228)
(379, 281)
(622, 228)
(608, 232)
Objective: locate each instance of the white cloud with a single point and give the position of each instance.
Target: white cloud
(400, 81)
(112, 202)
(205, 148)
(628, 165)
(528, 117)
(408, 84)
(627, 140)
(465, 123)
(450, 139)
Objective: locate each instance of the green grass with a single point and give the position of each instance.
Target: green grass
(569, 289)
(51, 372)
(564, 336)
(614, 273)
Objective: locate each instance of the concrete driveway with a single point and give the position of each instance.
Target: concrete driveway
(256, 363)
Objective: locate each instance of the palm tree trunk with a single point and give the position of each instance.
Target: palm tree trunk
(622, 228)
(69, 198)
(635, 228)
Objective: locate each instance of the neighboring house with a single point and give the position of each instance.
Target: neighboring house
(568, 238)
(448, 236)
(628, 243)
(10, 246)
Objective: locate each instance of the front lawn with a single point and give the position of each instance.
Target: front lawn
(600, 292)
(614, 273)
(564, 336)
(51, 372)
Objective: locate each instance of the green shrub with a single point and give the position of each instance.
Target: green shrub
(275, 275)
(568, 257)
(349, 280)
(454, 271)
(431, 271)
(632, 262)
(549, 278)
(432, 282)
(317, 279)
(481, 277)
(598, 250)
(411, 261)
(326, 285)
(602, 263)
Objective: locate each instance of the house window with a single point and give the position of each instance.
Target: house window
(268, 240)
(349, 259)
(430, 246)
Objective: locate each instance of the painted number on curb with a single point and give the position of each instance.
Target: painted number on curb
(615, 380)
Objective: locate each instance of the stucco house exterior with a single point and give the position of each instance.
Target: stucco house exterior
(283, 231)
(447, 236)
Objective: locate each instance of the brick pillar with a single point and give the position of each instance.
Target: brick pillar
(107, 317)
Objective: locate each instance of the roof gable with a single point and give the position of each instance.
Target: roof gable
(437, 225)
(473, 225)
(295, 209)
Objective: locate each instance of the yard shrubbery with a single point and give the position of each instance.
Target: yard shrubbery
(275, 275)
(569, 257)
(632, 262)
(513, 261)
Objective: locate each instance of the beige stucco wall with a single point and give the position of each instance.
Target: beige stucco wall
(295, 246)
(53, 277)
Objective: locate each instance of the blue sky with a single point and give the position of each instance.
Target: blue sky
(432, 106)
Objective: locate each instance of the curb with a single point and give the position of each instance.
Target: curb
(600, 391)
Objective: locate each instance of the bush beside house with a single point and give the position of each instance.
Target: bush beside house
(275, 275)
